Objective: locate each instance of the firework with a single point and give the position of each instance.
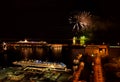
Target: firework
(84, 19)
(83, 27)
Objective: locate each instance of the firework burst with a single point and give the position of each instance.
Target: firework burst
(85, 20)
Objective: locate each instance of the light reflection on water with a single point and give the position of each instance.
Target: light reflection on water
(54, 54)
(49, 53)
(39, 51)
(26, 52)
(33, 52)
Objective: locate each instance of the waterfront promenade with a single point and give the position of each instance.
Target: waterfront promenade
(98, 73)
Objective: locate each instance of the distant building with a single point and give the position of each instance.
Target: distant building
(94, 50)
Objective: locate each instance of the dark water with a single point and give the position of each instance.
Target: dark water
(60, 54)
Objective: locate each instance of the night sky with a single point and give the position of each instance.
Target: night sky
(48, 19)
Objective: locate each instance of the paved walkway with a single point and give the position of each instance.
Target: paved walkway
(98, 75)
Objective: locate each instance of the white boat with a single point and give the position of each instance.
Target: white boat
(38, 63)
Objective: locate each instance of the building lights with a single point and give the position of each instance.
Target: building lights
(25, 40)
(79, 40)
(74, 40)
(82, 40)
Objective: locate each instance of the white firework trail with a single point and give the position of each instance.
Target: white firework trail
(76, 26)
(84, 19)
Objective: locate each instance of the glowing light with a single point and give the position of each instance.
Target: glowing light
(4, 46)
(92, 55)
(84, 19)
(103, 43)
(79, 56)
(74, 40)
(75, 61)
(52, 66)
(82, 40)
(56, 48)
(82, 64)
(118, 43)
(25, 40)
(93, 64)
(83, 25)
(75, 68)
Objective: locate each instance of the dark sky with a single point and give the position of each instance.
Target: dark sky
(48, 19)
